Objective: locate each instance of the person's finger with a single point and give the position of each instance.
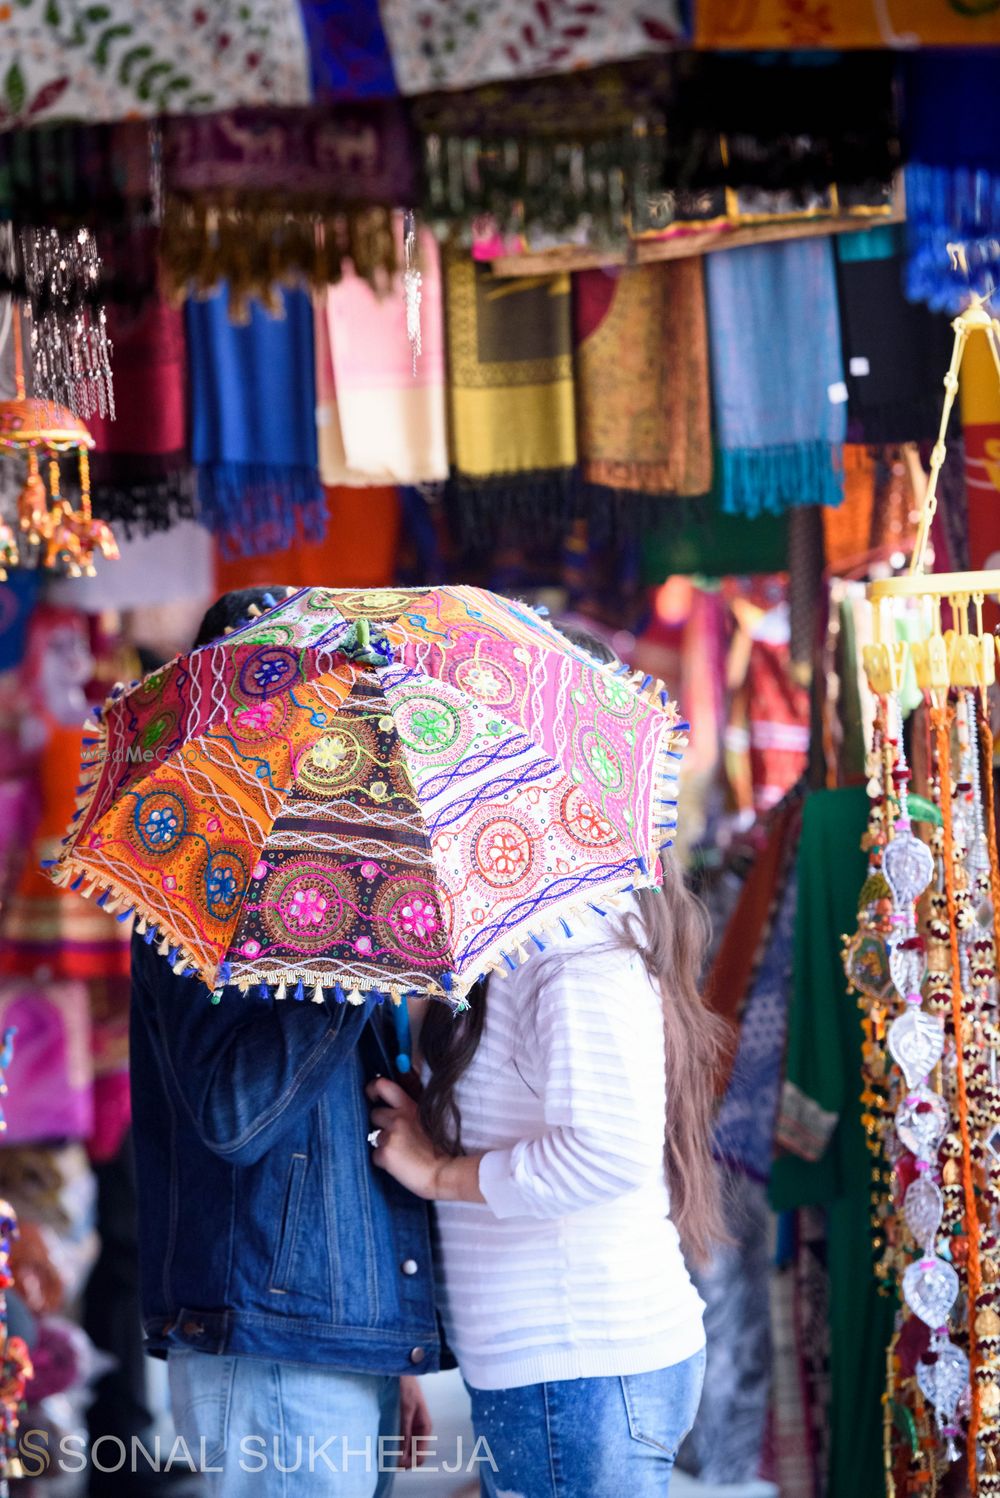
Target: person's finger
(386, 1091)
(384, 1118)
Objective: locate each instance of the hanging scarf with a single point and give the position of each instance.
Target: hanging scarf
(847, 23)
(140, 469)
(42, 926)
(359, 550)
(253, 436)
(380, 419)
(777, 378)
(895, 351)
(784, 123)
(641, 367)
(141, 57)
(451, 44)
(805, 586)
(630, 149)
(547, 154)
(847, 529)
(779, 722)
(258, 195)
(348, 53)
(510, 370)
(952, 143)
(708, 541)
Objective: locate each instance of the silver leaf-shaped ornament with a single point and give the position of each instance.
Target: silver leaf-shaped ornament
(908, 867)
(921, 1122)
(922, 1208)
(915, 1041)
(930, 1289)
(943, 1382)
(907, 966)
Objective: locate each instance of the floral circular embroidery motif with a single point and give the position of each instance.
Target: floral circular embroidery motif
(269, 669)
(411, 919)
(260, 719)
(584, 820)
(331, 763)
(429, 725)
(614, 694)
(604, 761)
(307, 906)
(225, 883)
(160, 820)
(502, 852)
(486, 680)
(158, 729)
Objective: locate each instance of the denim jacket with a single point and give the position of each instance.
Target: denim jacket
(264, 1229)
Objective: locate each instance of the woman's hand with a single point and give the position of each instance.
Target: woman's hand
(414, 1421)
(404, 1150)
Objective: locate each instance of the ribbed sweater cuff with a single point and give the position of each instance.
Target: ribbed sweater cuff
(496, 1181)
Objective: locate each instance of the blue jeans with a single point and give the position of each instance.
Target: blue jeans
(283, 1430)
(587, 1437)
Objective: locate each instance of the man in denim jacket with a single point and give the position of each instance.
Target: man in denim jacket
(287, 1282)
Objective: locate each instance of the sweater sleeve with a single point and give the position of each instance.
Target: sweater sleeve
(597, 1054)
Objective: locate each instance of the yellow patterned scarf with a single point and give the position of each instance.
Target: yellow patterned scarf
(510, 373)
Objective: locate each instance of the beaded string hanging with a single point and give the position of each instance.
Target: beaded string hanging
(56, 277)
(940, 1132)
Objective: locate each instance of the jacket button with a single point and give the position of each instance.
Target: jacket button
(409, 1266)
(417, 1355)
(193, 1329)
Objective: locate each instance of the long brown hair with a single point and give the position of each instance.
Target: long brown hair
(670, 934)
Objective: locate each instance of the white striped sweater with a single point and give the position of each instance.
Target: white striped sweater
(573, 1268)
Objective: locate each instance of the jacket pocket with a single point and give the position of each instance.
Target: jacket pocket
(284, 1251)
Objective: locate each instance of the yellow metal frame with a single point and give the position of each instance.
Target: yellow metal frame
(963, 656)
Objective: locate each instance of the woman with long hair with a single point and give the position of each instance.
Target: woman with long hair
(563, 1133)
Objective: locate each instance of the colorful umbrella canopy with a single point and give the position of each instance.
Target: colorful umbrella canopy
(320, 802)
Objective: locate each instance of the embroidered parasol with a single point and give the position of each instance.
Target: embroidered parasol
(319, 801)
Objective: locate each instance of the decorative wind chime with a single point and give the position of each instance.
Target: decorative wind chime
(55, 278)
(924, 962)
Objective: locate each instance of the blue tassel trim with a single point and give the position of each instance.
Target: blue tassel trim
(770, 480)
(300, 992)
(260, 507)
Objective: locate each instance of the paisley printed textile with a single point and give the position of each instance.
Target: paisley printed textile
(126, 58)
(403, 805)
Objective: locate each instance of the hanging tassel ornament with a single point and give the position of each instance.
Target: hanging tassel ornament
(412, 283)
(50, 531)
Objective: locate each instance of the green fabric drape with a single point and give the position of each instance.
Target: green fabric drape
(824, 1065)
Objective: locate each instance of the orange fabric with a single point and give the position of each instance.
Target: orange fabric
(847, 528)
(359, 550)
